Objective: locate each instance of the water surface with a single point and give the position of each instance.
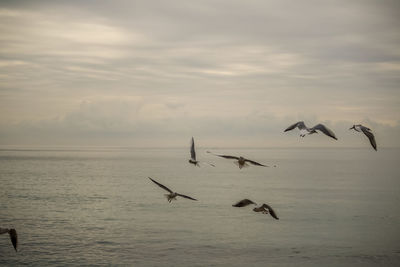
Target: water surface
(337, 207)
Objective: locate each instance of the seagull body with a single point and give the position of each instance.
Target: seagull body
(172, 195)
(240, 161)
(367, 131)
(13, 236)
(305, 130)
(264, 208)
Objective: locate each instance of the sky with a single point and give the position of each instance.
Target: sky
(230, 73)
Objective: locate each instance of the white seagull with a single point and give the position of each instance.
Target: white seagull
(367, 132)
(264, 208)
(305, 130)
(240, 161)
(172, 195)
(193, 159)
(13, 236)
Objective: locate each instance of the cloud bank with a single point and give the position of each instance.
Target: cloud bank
(234, 73)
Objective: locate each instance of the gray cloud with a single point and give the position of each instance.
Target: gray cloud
(139, 122)
(132, 69)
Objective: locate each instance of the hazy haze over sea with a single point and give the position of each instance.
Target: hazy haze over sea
(337, 207)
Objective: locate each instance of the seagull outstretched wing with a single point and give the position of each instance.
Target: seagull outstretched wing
(299, 125)
(227, 156)
(255, 163)
(192, 151)
(160, 185)
(325, 130)
(270, 210)
(186, 196)
(370, 136)
(243, 203)
(13, 236)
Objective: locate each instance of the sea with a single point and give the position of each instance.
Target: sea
(97, 207)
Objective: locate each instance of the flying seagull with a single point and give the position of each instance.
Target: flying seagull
(172, 195)
(241, 161)
(13, 236)
(305, 130)
(264, 208)
(367, 132)
(193, 159)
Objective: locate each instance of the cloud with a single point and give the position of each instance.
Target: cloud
(144, 122)
(150, 69)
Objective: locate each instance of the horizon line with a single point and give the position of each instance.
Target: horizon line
(96, 147)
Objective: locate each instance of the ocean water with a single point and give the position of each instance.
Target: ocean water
(337, 207)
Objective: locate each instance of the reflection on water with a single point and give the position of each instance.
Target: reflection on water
(97, 207)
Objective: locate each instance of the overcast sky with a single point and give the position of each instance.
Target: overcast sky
(229, 73)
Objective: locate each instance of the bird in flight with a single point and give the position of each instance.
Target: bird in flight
(240, 161)
(13, 236)
(367, 132)
(264, 208)
(193, 159)
(305, 130)
(172, 195)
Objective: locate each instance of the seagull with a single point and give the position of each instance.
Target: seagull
(367, 132)
(264, 208)
(241, 161)
(305, 130)
(172, 195)
(193, 159)
(13, 236)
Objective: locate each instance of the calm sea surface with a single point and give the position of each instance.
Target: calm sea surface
(337, 207)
